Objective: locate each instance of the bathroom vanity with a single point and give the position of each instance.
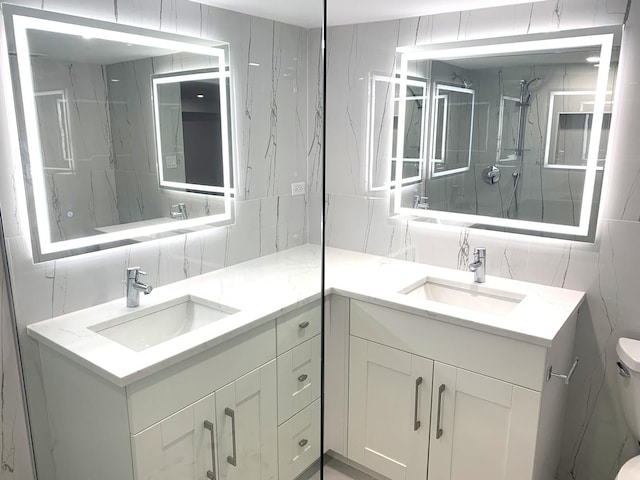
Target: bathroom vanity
(426, 373)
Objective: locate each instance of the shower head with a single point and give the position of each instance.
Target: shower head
(534, 84)
(458, 79)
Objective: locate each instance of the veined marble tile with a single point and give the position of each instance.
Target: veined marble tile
(15, 453)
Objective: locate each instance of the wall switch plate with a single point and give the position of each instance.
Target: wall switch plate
(298, 188)
(172, 161)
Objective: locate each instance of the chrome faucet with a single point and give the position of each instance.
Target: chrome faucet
(181, 211)
(135, 286)
(479, 267)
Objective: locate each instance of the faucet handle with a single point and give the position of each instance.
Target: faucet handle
(480, 251)
(134, 272)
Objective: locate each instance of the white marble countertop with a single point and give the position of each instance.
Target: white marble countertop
(267, 287)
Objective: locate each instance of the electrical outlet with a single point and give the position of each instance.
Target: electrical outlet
(298, 188)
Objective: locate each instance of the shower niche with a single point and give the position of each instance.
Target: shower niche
(514, 132)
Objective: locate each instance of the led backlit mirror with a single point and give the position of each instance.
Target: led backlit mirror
(516, 134)
(125, 133)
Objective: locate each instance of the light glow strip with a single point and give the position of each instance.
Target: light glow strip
(21, 25)
(604, 41)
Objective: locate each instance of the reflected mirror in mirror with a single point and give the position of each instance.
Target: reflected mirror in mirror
(190, 125)
(382, 136)
(95, 126)
(569, 130)
(532, 162)
(452, 129)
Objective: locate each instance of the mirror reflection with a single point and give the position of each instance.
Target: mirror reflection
(516, 139)
(109, 110)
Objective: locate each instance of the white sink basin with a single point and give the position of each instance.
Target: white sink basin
(139, 332)
(471, 296)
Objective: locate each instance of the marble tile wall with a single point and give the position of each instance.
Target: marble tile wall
(273, 149)
(15, 453)
(596, 438)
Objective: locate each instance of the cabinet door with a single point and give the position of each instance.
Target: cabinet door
(389, 410)
(481, 428)
(180, 446)
(246, 413)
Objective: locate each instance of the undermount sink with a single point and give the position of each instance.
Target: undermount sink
(152, 328)
(471, 296)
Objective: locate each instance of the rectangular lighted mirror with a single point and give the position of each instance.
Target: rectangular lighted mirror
(532, 161)
(109, 156)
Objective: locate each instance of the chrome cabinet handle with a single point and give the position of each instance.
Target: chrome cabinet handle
(439, 430)
(567, 377)
(211, 474)
(303, 442)
(416, 422)
(303, 377)
(232, 459)
(623, 371)
(303, 324)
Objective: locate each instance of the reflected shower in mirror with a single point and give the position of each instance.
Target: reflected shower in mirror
(517, 132)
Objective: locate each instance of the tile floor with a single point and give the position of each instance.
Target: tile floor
(336, 470)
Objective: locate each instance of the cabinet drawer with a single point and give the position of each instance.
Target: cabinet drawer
(299, 442)
(507, 359)
(298, 378)
(171, 389)
(298, 326)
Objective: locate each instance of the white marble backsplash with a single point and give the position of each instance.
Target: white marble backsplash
(597, 440)
(273, 66)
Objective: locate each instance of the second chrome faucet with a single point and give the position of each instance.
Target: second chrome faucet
(135, 286)
(479, 267)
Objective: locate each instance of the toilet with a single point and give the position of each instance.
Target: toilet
(628, 351)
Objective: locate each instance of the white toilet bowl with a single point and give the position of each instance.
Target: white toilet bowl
(628, 352)
(630, 470)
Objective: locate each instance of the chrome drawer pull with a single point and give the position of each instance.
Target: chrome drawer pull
(439, 430)
(232, 459)
(303, 377)
(211, 474)
(303, 324)
(303, 442)
(416, 422)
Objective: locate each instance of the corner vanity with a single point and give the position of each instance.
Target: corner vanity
(427, 374)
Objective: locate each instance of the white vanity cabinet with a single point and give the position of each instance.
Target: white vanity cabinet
(484, 406)
(247, 408)
(389, 409)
